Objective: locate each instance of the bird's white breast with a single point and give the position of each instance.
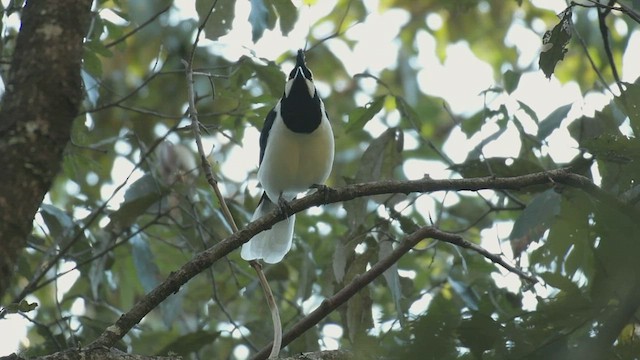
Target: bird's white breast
(295, 161)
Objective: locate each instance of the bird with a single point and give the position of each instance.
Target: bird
(296, 154)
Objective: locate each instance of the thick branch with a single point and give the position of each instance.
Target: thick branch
(44, 91)
(206, 258)
(93, 354)
(114, 354)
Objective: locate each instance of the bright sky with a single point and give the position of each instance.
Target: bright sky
(459, 80)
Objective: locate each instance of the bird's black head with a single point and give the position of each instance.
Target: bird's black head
(301, 67)
(300, 104)
(300, 78)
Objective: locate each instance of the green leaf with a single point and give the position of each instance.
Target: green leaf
(406, 111)
(59, 223)
(259, 19)
(560, 282)
(359, 117)
(23, 307)
(435, 332)
(464, 291)
(287, 13)
(92, 63)
(529, 142)
(382, 157)
(137, 199)
(553, 121)
(615, 225)
(629, 100)
(472, 125)
(64, 229)
(98, 47)
(534, 220)
(385, 248)
(511, 80)
(466, 211)
(339, 261)
(529, 111)
(378, 162)
(554, 44)
(570, 230)
(605, 121)
(618, 161)
(614, 148)
(144, 262)
(271, 76)
(479, 333)
(358, 313)
(306, 273)
(221, 19)
(149, 275)
(116, 32)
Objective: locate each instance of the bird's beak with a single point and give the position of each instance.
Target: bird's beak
(300, 59)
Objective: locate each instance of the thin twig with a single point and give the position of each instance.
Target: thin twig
(144, 83)
(275, 314)
(138, 28)
(604, 31)
(623, 8)
(583, 44)
(276, 344)
(339, 31)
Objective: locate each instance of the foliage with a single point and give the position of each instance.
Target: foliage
(581, 246)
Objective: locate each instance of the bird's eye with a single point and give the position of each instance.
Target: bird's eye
(294, 72)
(307, 73)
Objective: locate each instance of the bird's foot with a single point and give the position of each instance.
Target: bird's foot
(324, 190)
(284, 207)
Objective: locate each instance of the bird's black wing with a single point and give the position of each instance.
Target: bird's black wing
(264, 134)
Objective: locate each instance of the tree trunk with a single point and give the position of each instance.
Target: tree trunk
(43, 94)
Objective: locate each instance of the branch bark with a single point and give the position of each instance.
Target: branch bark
(114, 354)
(43, 93)
(206, 258)
(93, 354)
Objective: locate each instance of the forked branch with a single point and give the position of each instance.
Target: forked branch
(205, 259)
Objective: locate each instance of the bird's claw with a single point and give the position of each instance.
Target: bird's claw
(324, 189)
(284, 207)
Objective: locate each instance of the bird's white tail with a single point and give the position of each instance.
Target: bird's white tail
(273, 244)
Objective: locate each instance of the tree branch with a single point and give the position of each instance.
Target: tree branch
(359, 282)
(604, 31)
(93, 354)
(206, 258)
(115, 354)
(206, 167)
(138, 28)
